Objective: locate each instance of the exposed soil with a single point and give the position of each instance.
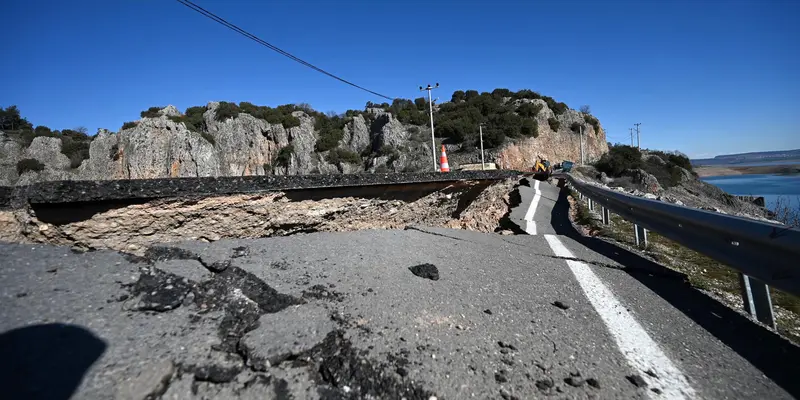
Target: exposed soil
(133, 228)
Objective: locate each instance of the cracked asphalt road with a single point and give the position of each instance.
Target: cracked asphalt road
(341, 315)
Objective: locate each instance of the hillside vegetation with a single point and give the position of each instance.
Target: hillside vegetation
(665, 167)
(74, 142)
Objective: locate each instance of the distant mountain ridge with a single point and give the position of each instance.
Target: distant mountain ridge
(757, 156)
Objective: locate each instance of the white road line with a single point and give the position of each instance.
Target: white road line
(530, 225)
(641, 351)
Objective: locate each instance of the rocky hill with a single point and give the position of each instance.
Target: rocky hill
(226, 139)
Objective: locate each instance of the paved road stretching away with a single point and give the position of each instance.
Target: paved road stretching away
(415, 313)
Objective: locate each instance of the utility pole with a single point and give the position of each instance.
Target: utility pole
(581, 130)
(638, 143)
(630, 130)
(483, 164)
(430, 105)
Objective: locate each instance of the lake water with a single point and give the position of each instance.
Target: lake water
(771, 187)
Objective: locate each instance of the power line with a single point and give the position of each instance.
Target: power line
(258, 40)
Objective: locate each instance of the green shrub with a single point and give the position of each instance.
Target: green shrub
(226, 110)
(330, 132)
(529, 110)
(591, 120)
(340, 155)
(29, 164)
(129, 125)
(530, 128)
(559, 108)
(284, 156)
(290, 121)
(554, 124)
(618, 159)
(208, 137)
(152, 112)
(681, 161)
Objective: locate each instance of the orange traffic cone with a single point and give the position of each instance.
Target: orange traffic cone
(445, 167)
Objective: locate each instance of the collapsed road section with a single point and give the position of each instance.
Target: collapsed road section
(131, 215)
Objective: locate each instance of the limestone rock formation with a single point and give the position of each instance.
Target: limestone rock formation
(217, 142)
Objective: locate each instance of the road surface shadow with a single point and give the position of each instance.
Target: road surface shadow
(775, 356)
(46, 361)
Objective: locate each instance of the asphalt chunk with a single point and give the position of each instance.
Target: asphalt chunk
(341, 365)
(320, 292)
(241, 251)
(574, 381)
(267, 298)
(506, 345)
(427, 271)
(637, 380)
(544, 384)
(561, 305)
(164, 253)
(593, 383)
(160, 291)
(505, 394)
(500, 376)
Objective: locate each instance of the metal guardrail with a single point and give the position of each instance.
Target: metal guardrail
(763, 253)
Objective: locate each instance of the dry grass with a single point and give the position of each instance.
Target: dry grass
(703, 273)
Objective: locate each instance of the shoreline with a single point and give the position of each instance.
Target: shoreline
(784, 169)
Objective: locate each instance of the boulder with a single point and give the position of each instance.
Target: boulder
(646, 180)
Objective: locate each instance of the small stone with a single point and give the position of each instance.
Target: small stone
(346, 389)
(593, 383)
(500, 377)
(507, 361)
(651, 373)
(487, 311)
(637, 380)
(561, 305)
(656, 390)
(370, 290)
(459, 327)
(22, 294)
(402, 371)
(432, 398)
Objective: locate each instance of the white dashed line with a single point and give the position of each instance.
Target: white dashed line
(530, 224)
(641, 351)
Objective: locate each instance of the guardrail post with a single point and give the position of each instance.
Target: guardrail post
(606, 215)
(757, 301)
(641, 235)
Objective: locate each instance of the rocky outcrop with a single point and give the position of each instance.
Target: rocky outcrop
(558, 145)
(161, 145)
(10, 154)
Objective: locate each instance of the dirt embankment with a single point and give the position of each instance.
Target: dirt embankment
(132, 228)
(747, 170)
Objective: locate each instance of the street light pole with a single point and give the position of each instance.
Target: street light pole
(430, 105)
(483, 164)
(581, 130)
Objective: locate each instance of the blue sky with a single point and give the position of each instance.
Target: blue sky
(703, 77)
